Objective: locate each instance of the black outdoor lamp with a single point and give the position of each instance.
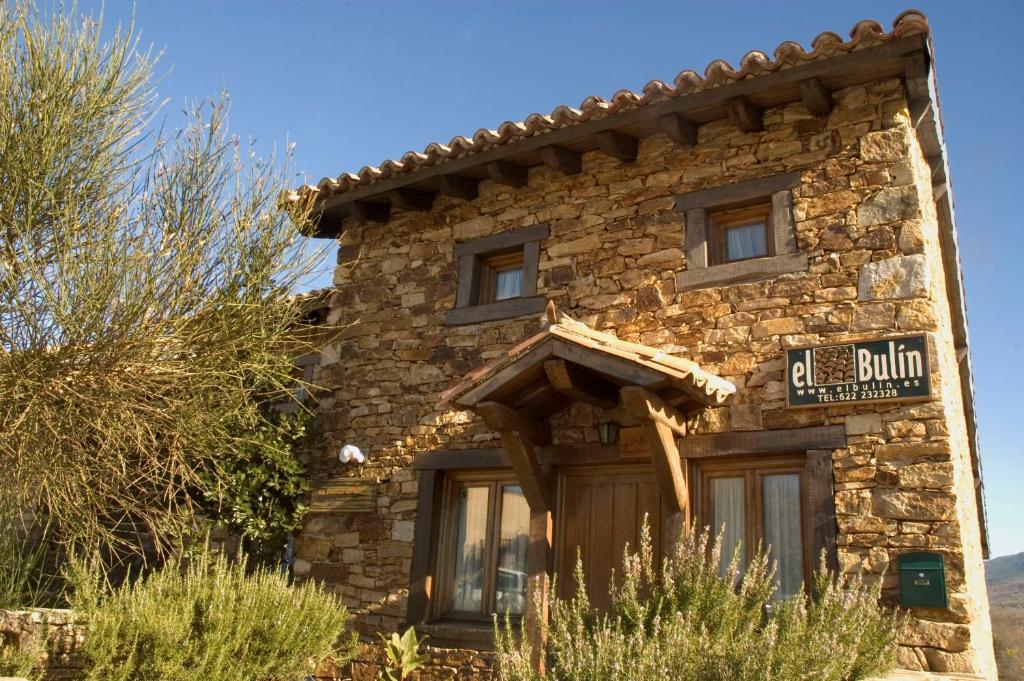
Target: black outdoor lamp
(608, 432)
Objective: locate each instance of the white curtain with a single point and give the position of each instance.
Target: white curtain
(746, 242)
(782, 535)
(510, 592)
(508, 284)
(470, 546)
(728, 498)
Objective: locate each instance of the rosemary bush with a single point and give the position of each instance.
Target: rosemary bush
(688, 622)
(207, 618)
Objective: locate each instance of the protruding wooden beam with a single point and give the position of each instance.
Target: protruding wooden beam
(816, 97)
(458, 186)
(656, 418)
(560, 158)
(369, 212)
(507, 173)
(411, 199)
(569, 380)
(500, 418)
(518, 436)
(617, 145)
(678, 129)
(745, 115)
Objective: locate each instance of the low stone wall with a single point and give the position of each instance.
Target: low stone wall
(61, 629)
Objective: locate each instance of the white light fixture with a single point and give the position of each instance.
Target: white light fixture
(350, 454)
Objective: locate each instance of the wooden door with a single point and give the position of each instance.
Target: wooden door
(601, 510)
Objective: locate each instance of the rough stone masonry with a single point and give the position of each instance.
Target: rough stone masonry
(864, 215)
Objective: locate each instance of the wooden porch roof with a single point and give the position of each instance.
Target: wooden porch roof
(568, 361)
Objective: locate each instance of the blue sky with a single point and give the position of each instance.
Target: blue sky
(353, 83)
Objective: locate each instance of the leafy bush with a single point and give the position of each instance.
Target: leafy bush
(23, 579)
(208, 619)
(20, 660)
(688, 622)
(403, 655)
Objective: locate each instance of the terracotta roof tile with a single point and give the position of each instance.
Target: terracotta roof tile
(865, 33)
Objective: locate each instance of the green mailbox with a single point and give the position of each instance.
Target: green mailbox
(923, 580)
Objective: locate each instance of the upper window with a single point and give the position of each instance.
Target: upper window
(497, 277)
(482, 555)
(740, 234)
(752, 503)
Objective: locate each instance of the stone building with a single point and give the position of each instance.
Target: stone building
(734, 298)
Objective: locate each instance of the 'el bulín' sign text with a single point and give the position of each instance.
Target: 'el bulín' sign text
(868, 371)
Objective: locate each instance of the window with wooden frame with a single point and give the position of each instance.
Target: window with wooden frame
(755, 502)
(481, 557)
(497, 277)
(742, 233)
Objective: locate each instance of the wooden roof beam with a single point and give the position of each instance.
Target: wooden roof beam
(745, 115)
(562, 159)
(367, 211)
(411, 199)
(581, 386)
(618, 145)
(816, 97)
(678, 129)
(458, 186)
(507, 173)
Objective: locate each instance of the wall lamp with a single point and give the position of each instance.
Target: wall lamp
(608, 432)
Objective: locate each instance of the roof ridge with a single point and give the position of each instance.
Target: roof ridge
(717, 73)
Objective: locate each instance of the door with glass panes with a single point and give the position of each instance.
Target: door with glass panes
(757, 502)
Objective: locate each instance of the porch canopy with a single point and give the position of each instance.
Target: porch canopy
(567, 361)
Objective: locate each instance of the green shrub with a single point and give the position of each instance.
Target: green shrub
(688, 622)
(404, 656)
(208, 619)
(23, 579)
(20, 660)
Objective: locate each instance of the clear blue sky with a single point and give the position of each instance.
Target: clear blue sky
(352, 83)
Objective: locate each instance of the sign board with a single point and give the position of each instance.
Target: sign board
(888, 370)
(633, 443)
(344, 495)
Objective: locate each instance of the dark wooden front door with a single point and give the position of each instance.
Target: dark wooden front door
(601, 510)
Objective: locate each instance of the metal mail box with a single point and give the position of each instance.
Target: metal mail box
(923, 580)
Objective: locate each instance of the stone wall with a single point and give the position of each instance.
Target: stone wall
(863, 214)
(61, 630)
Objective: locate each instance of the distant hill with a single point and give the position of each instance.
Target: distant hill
(1005, 577)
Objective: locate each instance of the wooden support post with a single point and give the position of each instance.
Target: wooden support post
(427, 515)
(745, 115)
(571, 381)
(518, 436)
(816, 97)
(458, 186)
(411, 199)
(507, 173)
(617, 145)
(560, 158)
(661, 424)
(539, 559)
(679, 129)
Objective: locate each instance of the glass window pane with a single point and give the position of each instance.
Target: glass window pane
(508, 284)
(728, 500)
(749, 241)
(510, 593)
(470, 549)
(782, 532)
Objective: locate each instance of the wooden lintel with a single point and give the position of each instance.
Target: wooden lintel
(617, 145)
(573, 382)
(501, 419)
(411, 199)
(368, 211)
(507, 173)
(816, 97)
(560, 158)
(458, 186)
(645, 405)
(678, 129)
(755, 442)
(745, 115)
